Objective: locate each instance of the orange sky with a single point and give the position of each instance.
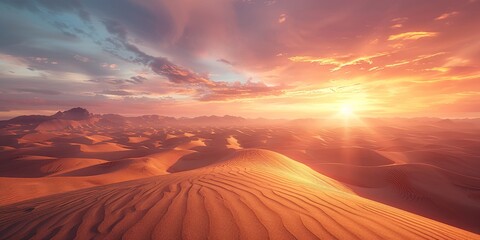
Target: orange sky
(274, 59)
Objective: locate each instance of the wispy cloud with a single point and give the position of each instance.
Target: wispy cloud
(282, 18)
(412, 35)
(406, 61)
(338, 62)
(117, 92)
(397, 25)
(177, 74)
(446, 15)
(39, 91)
(119, 81)
(222, 60)
(227, 91)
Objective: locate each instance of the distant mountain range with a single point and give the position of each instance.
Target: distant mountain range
(81, 118)
(77, 118)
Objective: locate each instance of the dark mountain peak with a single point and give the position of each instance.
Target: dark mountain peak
(77, 113)
(230, 117)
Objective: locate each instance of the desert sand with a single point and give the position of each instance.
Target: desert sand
(85, 179)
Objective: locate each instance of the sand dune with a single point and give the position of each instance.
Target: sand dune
(99, 138)
(233, 143)
(132, 168)
(34, 176)
(199, 142)
(137, 139)
(151, 181)
(37, 137)
(40, 166)
(409, 186)
(349, 155)
(231, 199)
(101, 147)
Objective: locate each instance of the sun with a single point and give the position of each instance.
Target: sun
(346, 110)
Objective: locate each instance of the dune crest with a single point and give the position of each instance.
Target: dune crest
(232, 199)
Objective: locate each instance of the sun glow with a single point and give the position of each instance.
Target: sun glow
(346, 111)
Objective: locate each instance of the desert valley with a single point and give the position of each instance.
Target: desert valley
(82, 175)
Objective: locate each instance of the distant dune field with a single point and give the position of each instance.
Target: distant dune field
(283, 181)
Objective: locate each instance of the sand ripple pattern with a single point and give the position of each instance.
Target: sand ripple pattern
(255, 194)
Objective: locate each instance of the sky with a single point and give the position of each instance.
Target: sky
(251, 58)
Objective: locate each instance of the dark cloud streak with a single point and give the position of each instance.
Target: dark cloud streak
(52, 5)
(119, 81)
(39, 91)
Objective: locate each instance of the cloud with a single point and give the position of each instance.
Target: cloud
(119, 45)
(117, 92)
(115, 28)
(160, 65)
(113, 81)
(407, 61)
(338, 62)
(208, 90)
(176, 74)
(282, 18)
(439, 69)
(397, 25)
(136, 79)
(39, 91)
(398, 22)
(109, 65)
(225, 61)
(222, 91)
(350, 88)
(412, 35)
(53, 5)
(446, 15)
(81, 58)
(119, 81)
(400, 19)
